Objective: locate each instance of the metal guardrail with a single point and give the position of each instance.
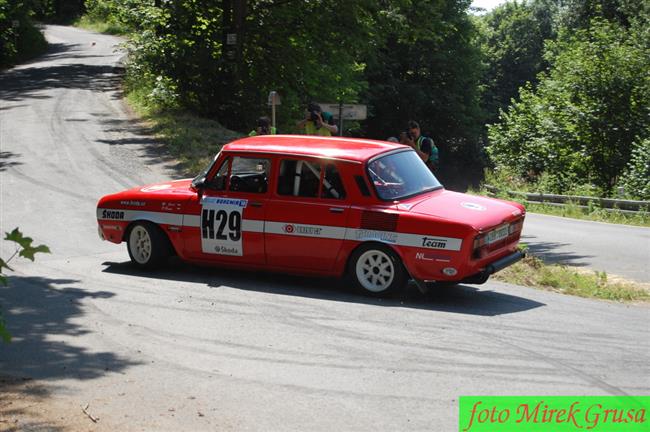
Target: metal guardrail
(625, 206)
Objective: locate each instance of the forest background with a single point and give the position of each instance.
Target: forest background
(540, 95)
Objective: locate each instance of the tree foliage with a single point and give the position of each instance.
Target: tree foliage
(19, 38)
(404, 58)
(425, 66)
(512, 45)
(580, 124)
(636, 179)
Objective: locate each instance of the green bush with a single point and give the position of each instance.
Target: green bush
(19, 38)
(636, 180)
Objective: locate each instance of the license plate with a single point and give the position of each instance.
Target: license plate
(497, 234)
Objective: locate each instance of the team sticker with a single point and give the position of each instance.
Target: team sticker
(221, 225)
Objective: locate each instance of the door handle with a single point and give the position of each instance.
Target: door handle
(336, 210)
(256, 204)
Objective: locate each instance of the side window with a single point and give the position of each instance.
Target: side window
(303, 178)
(249, 175)
(332, 184)
(218, 182)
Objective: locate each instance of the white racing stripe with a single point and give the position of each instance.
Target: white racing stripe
(423, 241)
(129, 215)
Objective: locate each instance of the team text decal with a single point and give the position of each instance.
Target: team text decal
(221, 226)
(434, 243)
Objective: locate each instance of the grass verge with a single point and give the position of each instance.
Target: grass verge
(533, 272)
(106, 27)
(597, 214)
(572, 210)
(191, 139)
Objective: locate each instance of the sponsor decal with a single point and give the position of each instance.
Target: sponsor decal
(428, 256)
(449, 271)
(472, 206)
(155, 188)
(302, 229)
(113, 214)
(225, 201)
(434, 243)
(364, 234)
(170, 206)
(221, 226)
(133, 203)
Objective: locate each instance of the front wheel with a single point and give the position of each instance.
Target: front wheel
(147, 245)
(376, 270)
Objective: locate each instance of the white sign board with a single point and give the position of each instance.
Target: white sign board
(349, 111)
(274, 98)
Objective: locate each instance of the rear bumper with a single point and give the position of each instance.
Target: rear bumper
(500, 264)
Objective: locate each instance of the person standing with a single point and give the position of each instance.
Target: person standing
(263, 127)
(423, 145)
(318, 122)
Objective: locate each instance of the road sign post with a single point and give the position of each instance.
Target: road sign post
(274, 99)
(345, 111)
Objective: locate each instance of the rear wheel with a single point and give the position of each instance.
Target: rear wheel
(147, 245)
(376, 270)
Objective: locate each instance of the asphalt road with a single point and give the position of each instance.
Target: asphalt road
(616, 249)
(190, 348)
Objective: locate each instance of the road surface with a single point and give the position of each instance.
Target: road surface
(190, 348)
(616, 249)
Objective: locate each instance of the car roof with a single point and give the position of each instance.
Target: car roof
(349, 149)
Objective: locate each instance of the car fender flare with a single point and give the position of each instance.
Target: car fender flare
(132, 223)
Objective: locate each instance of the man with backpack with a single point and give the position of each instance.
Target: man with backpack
(424, 146)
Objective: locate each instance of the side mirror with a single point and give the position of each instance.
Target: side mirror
(198, 183)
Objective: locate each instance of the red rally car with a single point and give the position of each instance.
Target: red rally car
(370, 210)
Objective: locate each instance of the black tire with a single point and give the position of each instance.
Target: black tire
(148, 245)
(376, 270)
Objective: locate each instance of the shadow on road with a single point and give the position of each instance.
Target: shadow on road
(40, 315)
(462, 299)
(28, 82)
(550, 252)
(8, 159)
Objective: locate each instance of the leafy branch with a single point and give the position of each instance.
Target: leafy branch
(25, 249)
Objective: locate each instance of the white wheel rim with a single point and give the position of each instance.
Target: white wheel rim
(375, 271)
(140, 244)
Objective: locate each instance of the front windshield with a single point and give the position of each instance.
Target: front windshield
(400, 175)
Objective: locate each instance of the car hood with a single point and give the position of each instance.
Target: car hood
(177, 190)
(479, 212)
(174, 187)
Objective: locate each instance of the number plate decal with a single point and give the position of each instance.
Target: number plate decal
(497, 234)
(221, 225)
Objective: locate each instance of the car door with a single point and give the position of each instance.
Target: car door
(226, 221)
(306, 218)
